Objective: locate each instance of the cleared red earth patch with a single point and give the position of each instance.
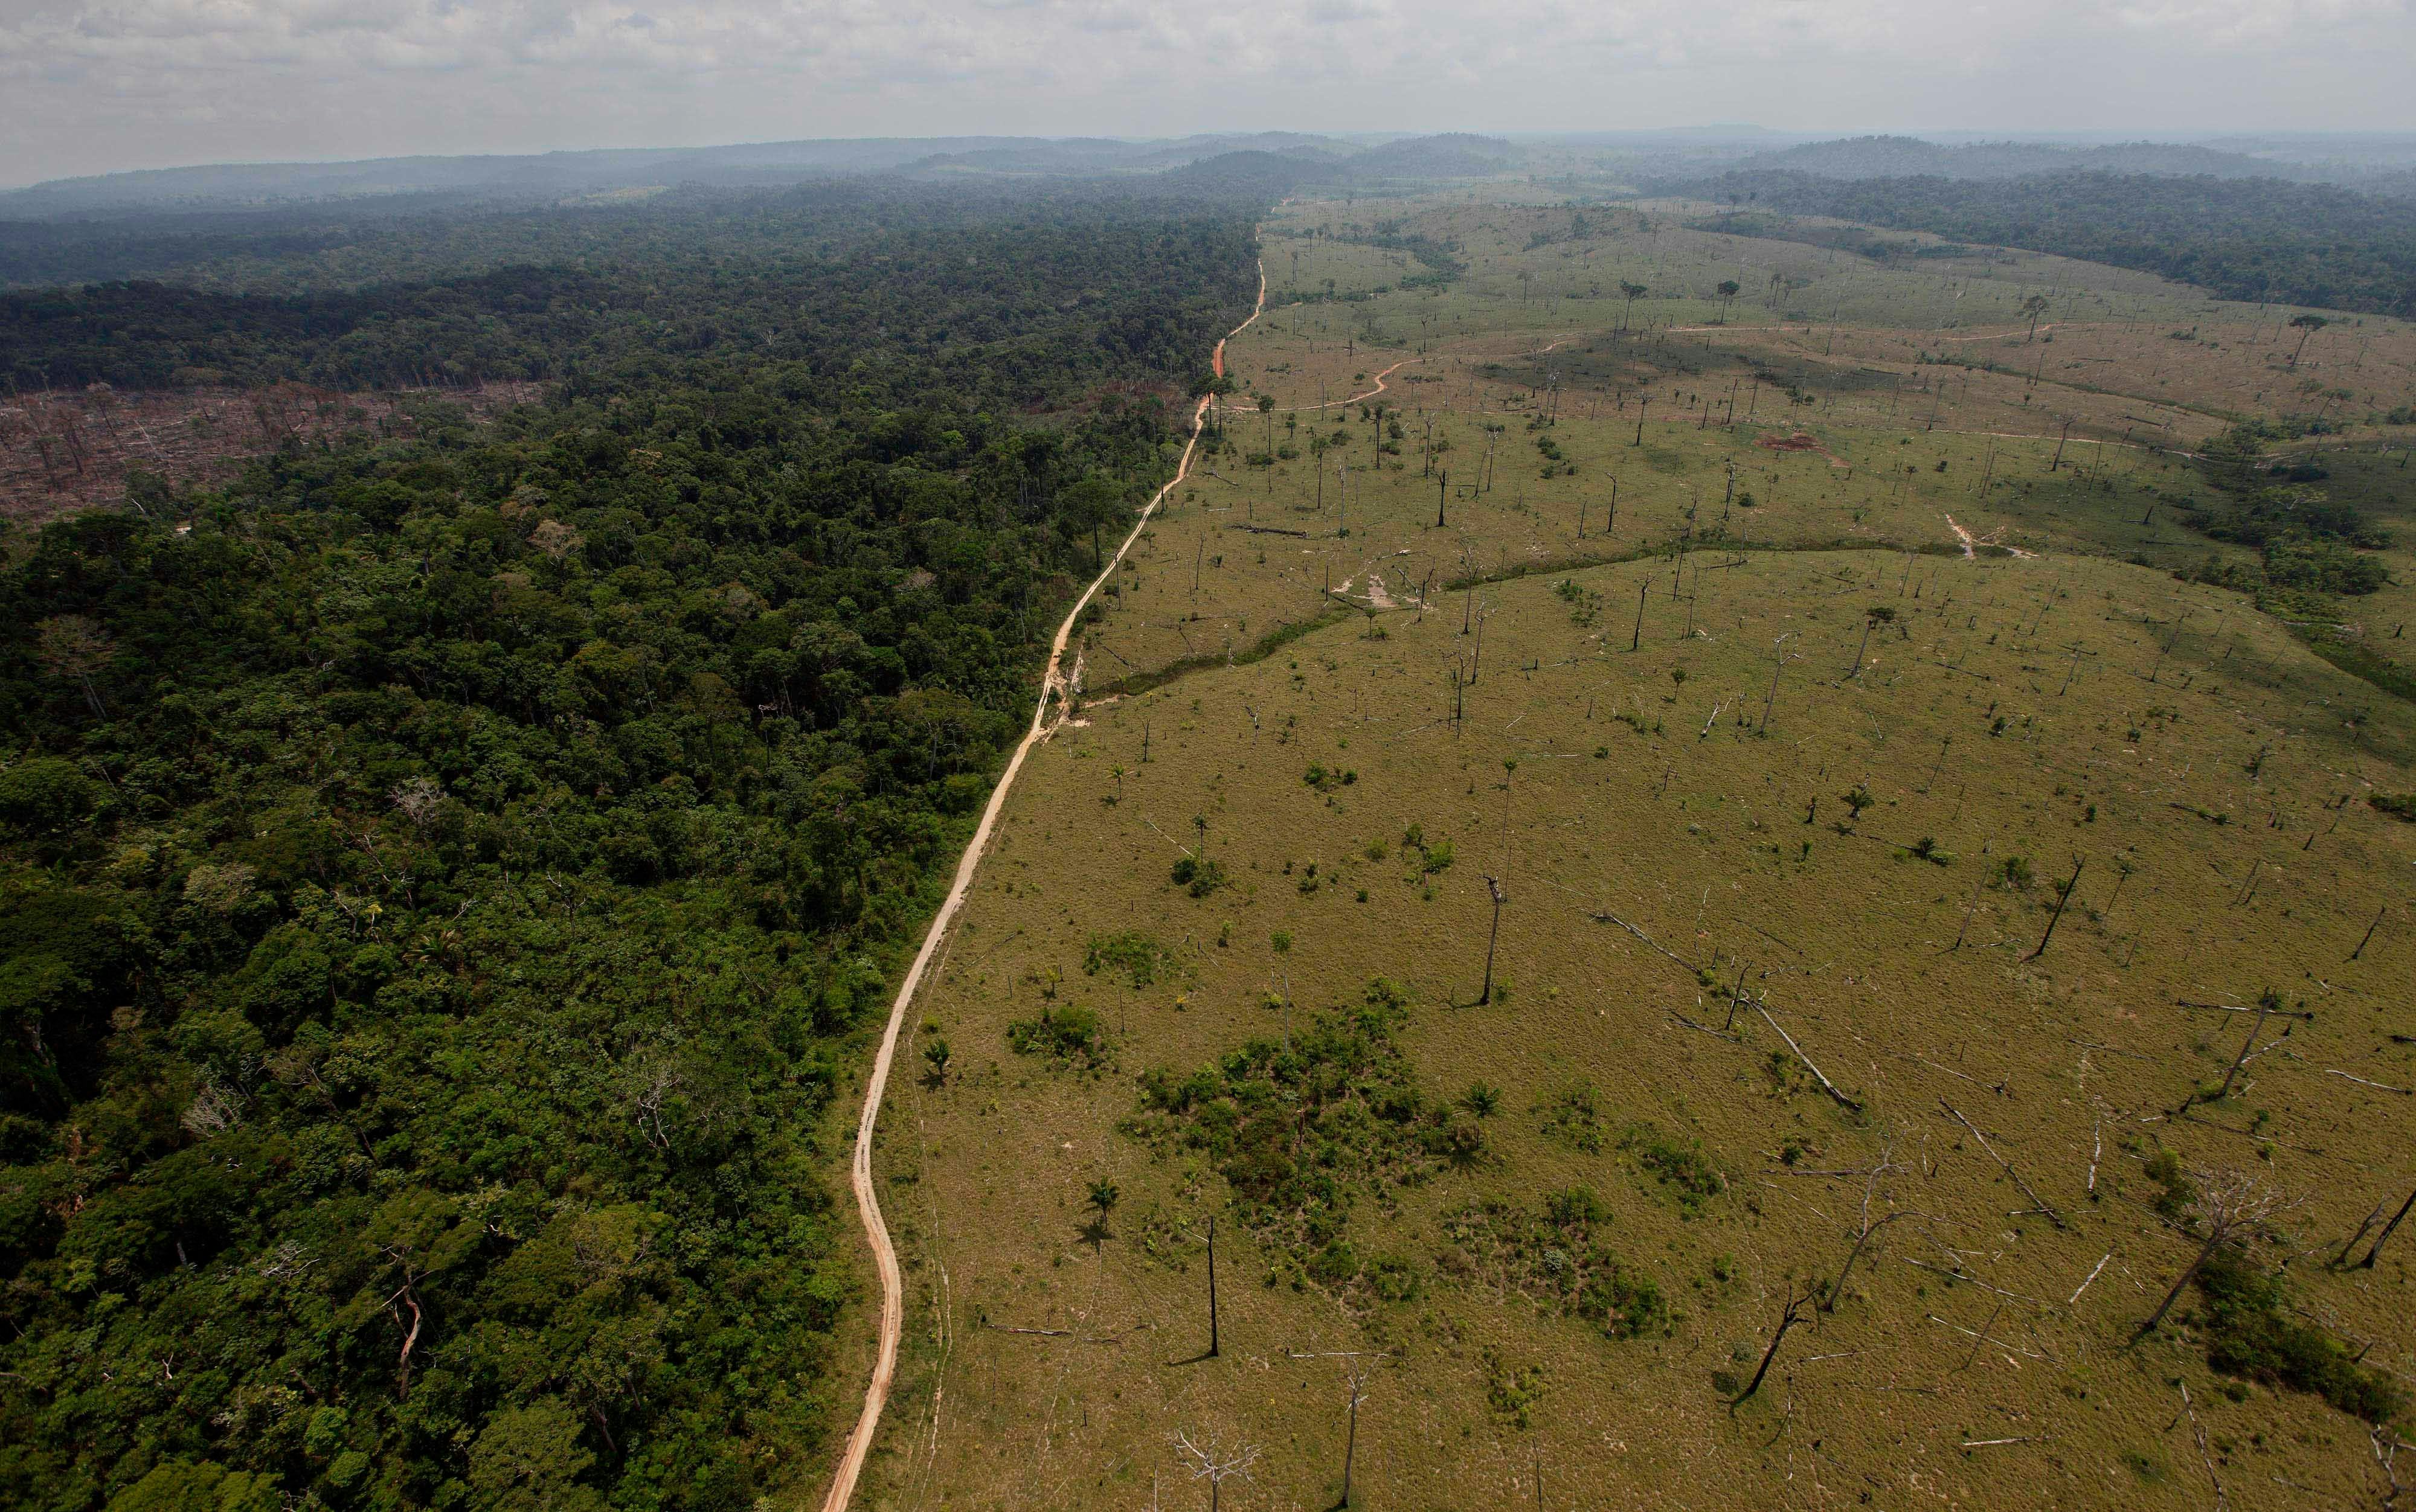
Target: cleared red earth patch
(1800, 442)
(62, 450)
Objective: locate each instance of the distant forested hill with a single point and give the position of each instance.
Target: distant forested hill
(1910, 156)
(346, 245)
(285, 227)
(2253, 239)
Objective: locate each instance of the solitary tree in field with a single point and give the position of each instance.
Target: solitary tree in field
(937, 1055)
(2307, 325)
(1874, 617)
(1101, 1200)
(1729, 288)
(2033, 306)
(1633, 292)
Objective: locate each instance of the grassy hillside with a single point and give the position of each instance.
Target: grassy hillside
(1871, 798)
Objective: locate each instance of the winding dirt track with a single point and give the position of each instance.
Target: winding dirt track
(1053, 685)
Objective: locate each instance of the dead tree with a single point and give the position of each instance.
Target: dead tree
(1967, 915)
(1870, 1186)
(73, 648)
(1355, 1377)
(1214, 1463)
(1212, 1286)
(1850, 1104)
(2388, 1229)
(2369, 932)
(2269, 1004)
(2387, 1446)
(2039, 1204)
(1786, 1320)
(1779, 665)
(2234, 1209)
(2061, 899)
(1500, 896)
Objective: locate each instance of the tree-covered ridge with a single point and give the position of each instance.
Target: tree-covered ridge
(436, 881)
(1005, 300)
(2251, 239)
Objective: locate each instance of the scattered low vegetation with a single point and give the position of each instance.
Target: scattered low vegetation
(1306, 1128)
(1556, 1257)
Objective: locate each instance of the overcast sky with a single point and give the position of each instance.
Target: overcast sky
(105, 85)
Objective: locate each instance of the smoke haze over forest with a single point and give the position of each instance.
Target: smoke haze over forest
(89, 88)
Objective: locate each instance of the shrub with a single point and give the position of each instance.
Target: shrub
(1201, 877)
(1070, 1034)
(1325, 779)
(1129, 953)
(1683, 1168)
(1574, 1116)
(1575, 1204)
(2176, 1193)
(2250, 1335)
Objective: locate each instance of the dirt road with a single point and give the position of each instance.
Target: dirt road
(1046, 716)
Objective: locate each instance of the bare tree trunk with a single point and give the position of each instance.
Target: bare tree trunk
(2188, 1274)
(1787, 1320)
(1499, 899)
(2369, 932)
(1212, 1294)
(2061, 899)
(1867, 625)
(2367, 1263)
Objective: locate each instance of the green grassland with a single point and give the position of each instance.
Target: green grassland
(1784, 773)
(1597, 786)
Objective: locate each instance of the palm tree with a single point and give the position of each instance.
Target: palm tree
(1632, 292)
(1729, 288)
(1102, 1201)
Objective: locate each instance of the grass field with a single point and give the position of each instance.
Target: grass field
(1783, 799)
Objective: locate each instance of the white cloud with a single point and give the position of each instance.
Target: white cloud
(104, 83)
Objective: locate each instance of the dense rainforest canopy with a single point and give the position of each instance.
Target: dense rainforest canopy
(819, 274)
(437, 875)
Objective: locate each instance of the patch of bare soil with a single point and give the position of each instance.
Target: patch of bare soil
(63, 450)
(1800, 442)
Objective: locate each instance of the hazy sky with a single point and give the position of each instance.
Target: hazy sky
(104, 85)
